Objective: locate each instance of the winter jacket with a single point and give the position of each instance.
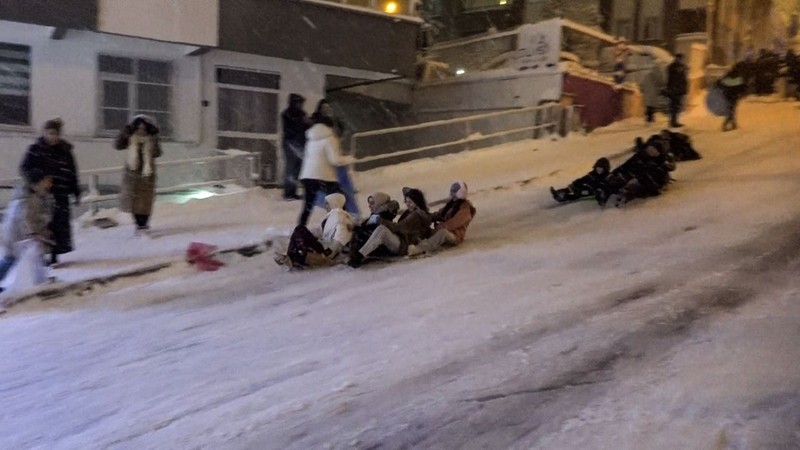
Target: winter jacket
(337, 226)
(56, 161)
(138, 190)
(322, 154)
(412, 227)
(652, 85)
(27, 215)
(732, 86)
(455, 217)
(677, 81)
(387, 209)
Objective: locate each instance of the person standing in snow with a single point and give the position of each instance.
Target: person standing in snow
(379, 203)
(733, 88)
(323, 155)
(591, 184)
(27, 217)
(449, 223)
(53, 156)
(652, 86)
(677, 87)
(295, 123)
(413, 226)
(140, 140)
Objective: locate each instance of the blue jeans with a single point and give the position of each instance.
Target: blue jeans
(5, 265)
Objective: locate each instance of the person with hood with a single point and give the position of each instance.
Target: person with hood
(412, 226)
(140, 140)
(53, 156)
(733, 88)
(645, 174)
(680, 145)
(27, 217)
(306, 250)
(379, 203)
(449, 223)
(652, 86)
(295, 123)
(677, 87)
(588, 185)
(323, 155)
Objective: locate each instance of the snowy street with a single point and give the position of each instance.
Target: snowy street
(672, 323)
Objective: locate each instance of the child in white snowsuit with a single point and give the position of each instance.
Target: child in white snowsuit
(27, 217)
(337, 226)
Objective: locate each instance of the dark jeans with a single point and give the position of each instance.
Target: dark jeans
(141, 220)
(674, 109)
(731, 118)
(649, 113)
(293, 165)
(5, 265)
(311, 187)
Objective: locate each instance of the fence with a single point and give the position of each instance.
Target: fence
(395, 145)
(227, 167)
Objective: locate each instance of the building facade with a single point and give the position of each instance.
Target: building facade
(215, 73)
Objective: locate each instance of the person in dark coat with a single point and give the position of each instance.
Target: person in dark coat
(645, 174)
(680, 145)
(733, 88)
(381, 204)
(588, 185)
(677, 87)
(412, 226)
(140, 140)
(295, 122)
(53, 156)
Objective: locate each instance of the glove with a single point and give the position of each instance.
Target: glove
(374, 219)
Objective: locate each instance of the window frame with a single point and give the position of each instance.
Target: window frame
(133, 81)
(28, 86)
(241, 87)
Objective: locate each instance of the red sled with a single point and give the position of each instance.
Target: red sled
(201, 256)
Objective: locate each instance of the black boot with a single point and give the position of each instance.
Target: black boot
(356, 259)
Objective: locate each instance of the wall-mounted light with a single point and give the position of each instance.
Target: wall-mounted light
(390, 7)
(460, 71)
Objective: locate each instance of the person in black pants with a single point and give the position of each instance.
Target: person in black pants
(677, 87)
(295, 123)
(322, 155)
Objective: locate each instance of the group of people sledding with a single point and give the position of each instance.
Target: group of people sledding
(645, 174)
(386, 232)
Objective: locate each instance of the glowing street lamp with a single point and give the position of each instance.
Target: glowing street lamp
(390, 7)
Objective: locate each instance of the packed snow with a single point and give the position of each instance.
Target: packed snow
(671, 323)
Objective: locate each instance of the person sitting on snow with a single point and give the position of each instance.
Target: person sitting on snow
(414, 225)
(379, 203)
(680, 145)
(449, 223)
(306, 250)
(588, 185)
(645, 174)
(27, 217)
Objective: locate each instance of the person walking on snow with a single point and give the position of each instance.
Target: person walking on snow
(733, 88)
(295, 123)
(413, 226)
(53, 156)
(652, 86)
(322, 155)
(677, 87)
(140, 141)
(449, 223)
(27, 217)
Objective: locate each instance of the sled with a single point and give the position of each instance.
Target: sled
(717, 103)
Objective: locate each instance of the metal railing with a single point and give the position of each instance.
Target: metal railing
(173, 176)
(393, 145)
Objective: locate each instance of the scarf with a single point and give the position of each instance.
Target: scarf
(140, 155)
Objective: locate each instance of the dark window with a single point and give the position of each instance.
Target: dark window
(248, 78)
(134, 86)
(247, 111)
(15, 84)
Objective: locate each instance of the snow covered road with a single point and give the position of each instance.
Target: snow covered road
(673, 323)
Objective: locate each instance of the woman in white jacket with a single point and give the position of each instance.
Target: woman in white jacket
(322, 155)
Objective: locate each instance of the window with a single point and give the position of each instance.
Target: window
(652, 27)
(248, 101)
(15, 84)
(624, 28)
(134, 86)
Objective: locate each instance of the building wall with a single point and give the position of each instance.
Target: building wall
(194, 22)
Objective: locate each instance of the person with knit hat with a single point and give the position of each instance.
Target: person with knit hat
(450, 223)
(413, 226)
(27, 217)
(52, 155)
(379, 203)
(591, 184)
(140, 141)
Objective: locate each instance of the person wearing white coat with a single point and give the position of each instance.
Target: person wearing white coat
(322, 155)
(337, 226)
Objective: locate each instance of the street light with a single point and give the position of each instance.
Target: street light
(390, 7)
